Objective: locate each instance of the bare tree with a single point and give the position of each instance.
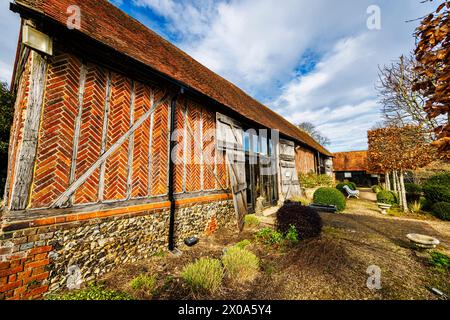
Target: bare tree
(311, 129)
(401, 105)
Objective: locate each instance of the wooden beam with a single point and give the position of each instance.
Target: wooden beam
(131, 142)
(101, 181)
(27, 154)
(74, 186)
(76, 136)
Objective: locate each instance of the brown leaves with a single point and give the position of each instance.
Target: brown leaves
(433, 56)
(399, 148)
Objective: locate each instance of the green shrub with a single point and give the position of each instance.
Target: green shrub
(305, 220)
(243, 244)
(240, 265)
(440, 261)
(93, 291)
(330, 196)
(144, 282)
(269, 236)
(204, 275)
(387, 197)
(377, 189)
(413, 188)
(251, 220)
(425, 204)
(441, 210)
(292, 235)
(312, 180)
(437, 188)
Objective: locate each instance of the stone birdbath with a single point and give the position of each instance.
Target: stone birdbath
(422, 241)
(384, 207)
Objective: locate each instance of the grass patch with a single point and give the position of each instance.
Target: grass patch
(251, 221)
(440, 261)
(241, 265)
(93, 291)
(204, 275)
(243, 244)
(144, 282)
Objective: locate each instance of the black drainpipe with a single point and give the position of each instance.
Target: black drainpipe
(173, 105)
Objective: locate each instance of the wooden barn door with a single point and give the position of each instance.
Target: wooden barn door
(230, 140)
(290, 185)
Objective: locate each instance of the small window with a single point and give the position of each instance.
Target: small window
(246, 141)
(347, 175)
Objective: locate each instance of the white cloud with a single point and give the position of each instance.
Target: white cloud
(9, 26)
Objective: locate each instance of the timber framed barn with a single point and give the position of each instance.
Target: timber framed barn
(94, 179)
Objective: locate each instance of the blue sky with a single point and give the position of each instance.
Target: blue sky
(308, 60)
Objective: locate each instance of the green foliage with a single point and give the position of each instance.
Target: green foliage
(330, 196)
(269, 236)
(377, 189)
(243, 244)
(312, 180)
(301, 200)
(413, 188)
(292, 235)
(425, 204)
(144, 282)
(204, 275)
(251, 220)
(6, 118)
(440, 261)
(415, 207)
(93, 291)
(437, 188)
(240, 265)
(441, 210)
(387, 197)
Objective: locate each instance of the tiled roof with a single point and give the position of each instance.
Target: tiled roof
(351, 161)
(109, 25)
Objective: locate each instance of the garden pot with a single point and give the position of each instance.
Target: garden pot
(384, 207)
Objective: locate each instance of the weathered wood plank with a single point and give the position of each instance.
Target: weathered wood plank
(74, 186)
(76, 137)
(131, 142)
(25, 163)
(101, 183)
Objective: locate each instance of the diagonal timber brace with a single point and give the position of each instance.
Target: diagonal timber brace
(65, 196)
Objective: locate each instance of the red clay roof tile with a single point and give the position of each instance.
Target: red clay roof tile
(104, 22)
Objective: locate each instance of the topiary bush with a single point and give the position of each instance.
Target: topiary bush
(441, 210)
(241, 265)
(306, 221)
(437, 188)
(387, 197)
(204, 275)
(351, 185)
(330, 196)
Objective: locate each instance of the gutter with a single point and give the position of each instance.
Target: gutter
(171, 186)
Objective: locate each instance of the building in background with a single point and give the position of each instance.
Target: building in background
(353, 166)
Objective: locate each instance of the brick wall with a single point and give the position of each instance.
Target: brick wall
(86, 109)
(110, 104)
(36, 255)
